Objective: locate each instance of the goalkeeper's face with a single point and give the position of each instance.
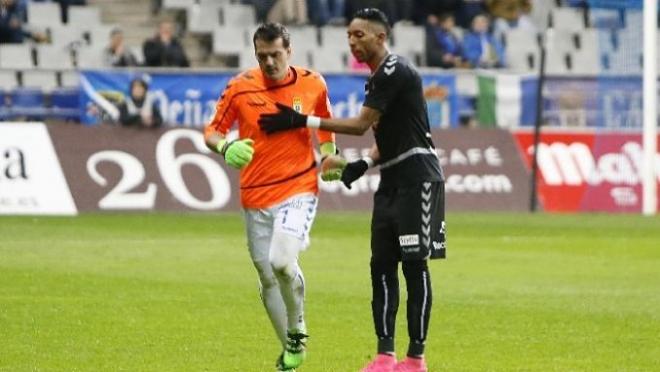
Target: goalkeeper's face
(273, 58)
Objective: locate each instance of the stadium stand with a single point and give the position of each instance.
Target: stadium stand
(580, 40)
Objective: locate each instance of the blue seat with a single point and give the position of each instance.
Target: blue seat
(65, 104)
(28, 103)
(4, 109)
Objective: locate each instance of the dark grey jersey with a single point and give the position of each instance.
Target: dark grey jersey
(407, 153)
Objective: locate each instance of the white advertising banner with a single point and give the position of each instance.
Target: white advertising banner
(31, 178)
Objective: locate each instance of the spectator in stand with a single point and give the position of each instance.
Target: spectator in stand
(322, 12)
(289, 12)
(480, 48)
(423, 8)
(12, 27)
(139, 109)
(164, 50)
(468, 10)
(443, 46)
(510, 14)
(116, 54)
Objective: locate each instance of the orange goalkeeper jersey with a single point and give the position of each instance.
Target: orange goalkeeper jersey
(283, 163)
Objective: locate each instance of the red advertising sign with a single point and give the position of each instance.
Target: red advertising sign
(588, 171)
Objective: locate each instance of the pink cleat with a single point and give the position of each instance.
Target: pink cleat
(411, 365)
(382, 363)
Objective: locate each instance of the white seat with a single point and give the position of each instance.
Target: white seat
(65, 35)
(409, 38)
(303, 37)
(18, 56)
(230, 40)
(44, 80)
(237, 15)
(89, 57)
(177, 4)
(43, 14)
(585, 62)
(99, 35)
(246, 59)
(560, 40)
(334, 37)
(203, 17)
(568, 19)
(517, 38)
(541, 11)
(8, 80)
(555, 62)
(53, 56)
(522, 60)
(329, 60)
(301, 56)
(84, 14)
(70, 79)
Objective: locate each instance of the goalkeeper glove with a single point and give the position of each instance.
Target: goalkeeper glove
(237, 153)
(330, 171)
(355, 170)
(286, 118)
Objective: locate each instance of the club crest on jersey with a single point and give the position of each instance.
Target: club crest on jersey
(297, 104)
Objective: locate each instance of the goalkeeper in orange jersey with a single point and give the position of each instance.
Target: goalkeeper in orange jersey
(278, 179)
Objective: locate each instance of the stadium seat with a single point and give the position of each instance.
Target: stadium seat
(605, 18)
(84, 14)
(334, 37)
(541, 11)
(28, 103)
(203, 17)
(65, 104)
(230, 40)
(40, 79)
(70, 79)
(522, 60)
(300, 56)
(409, 42)
(560, 40)
(329, 60)
(53, 56)
(43, 14)
(304, 37)
(585, 62)
(568, 19)
(517, 38)
(65, 36)
(4, 108)
(18, 56)
(8, 80)
(178, 4)
(98, 36)
(246, 59)
(237, 15)
(89, 57)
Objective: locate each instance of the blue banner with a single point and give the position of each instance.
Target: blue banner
(189, 99)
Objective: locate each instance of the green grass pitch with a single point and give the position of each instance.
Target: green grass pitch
(161, 292)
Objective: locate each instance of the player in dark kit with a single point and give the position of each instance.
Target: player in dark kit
(408, 216)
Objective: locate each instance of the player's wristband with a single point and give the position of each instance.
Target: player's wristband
(222, 146)
(313, 121)
(370, 162)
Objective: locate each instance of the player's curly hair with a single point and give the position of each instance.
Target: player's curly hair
(374, 15)
(269, 32)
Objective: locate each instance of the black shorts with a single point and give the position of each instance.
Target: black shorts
(408, 223)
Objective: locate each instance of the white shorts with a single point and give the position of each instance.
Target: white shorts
(293, 217)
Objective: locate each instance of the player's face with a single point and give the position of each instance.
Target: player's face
(273, 58)
(364, 38)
